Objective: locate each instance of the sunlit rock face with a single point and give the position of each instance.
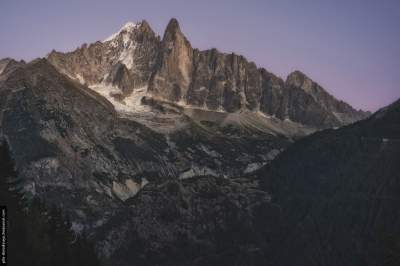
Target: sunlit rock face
(135, 47)
(173, 71)
(172, 76)
(225, 82)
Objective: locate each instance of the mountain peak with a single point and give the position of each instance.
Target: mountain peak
(173, 30)
(144, 25)
(128, 27)
(173, 73)
(339, 111)
(173, 33)
(297, 73)
(173, 25)
(300, 80)
(9, 63)
(296, 78)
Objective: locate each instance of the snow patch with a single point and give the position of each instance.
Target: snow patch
(265, 115)
(131, 107)
(130, 104)
(197, 171)
(80, 79)
(124, 39)
(126, 57)
(128, 27)
(272, 154)
(48, 164)
(209, 152)
(144, 182)
(253, 167)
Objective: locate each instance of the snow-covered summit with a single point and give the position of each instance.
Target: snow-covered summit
(128, 27)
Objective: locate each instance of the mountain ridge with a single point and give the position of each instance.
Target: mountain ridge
(175, 71)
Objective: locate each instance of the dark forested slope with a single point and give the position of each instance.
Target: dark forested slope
(340, 194)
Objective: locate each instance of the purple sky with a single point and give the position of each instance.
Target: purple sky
(350, 47)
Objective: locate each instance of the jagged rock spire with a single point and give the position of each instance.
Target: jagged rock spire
(172, 76)
(173, 26)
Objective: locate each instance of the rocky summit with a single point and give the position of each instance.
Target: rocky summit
(163, 154)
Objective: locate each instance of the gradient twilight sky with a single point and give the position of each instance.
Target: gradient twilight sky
(350, 47)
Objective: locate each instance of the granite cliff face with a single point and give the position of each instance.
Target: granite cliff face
(224, 82)
(228, 82)
(172, 75)
(172, 70)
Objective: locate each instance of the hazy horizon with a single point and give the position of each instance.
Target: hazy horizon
(348, 47)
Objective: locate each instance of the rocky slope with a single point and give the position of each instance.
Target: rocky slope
(199, 221)
(339, 193)
(329, 199)
(174, 71)
(73, 148)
